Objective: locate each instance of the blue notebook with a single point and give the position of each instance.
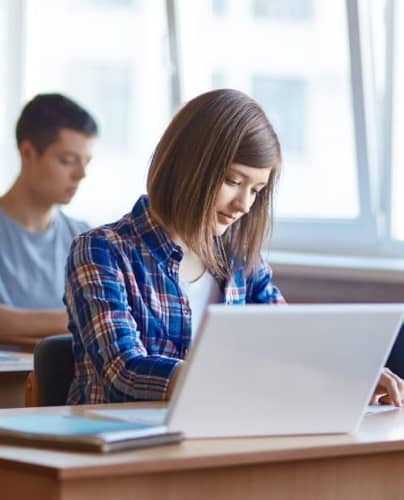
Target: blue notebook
(83, 433)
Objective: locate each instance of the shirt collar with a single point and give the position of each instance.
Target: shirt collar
(153, 236)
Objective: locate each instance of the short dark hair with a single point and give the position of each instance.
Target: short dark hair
(188, 168)
(45, 115)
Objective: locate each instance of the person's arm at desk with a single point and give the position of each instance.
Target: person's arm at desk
(389, 389)
(173, 380)
(16, 322)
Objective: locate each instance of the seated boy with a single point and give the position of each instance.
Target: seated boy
(55, 137)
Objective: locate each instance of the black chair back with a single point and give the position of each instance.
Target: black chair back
(396, 358)
(54, 369)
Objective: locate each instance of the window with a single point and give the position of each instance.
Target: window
(284, 100)
(3, 83)
(300, 74)
(106, 88)
(218, 7)
(397, 195)
(10, 88)
(330, 76)
(108, 3)
(281, 10)
(116, 65)
(218, 80)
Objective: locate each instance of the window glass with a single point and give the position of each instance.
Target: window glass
(398, 128)
(116, 66)
(283, 10)
(219, 7)
(107, 3)
(293, 57)
(3, 85)
(108, 89)
(284, 99)
(10, 79)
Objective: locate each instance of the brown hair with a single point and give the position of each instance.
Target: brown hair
(188, 168)
(45, 115)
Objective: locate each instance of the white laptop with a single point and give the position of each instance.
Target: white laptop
(261, 370)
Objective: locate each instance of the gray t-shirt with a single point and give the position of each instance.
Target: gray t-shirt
(32, 265)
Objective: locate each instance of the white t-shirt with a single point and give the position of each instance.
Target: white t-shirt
(201, 292)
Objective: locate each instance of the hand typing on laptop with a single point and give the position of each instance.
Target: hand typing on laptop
(389, 390)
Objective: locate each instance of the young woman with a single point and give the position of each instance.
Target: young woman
(136, 289)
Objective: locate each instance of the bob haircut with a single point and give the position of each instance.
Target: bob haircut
(188, 168)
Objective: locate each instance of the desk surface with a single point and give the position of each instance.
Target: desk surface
(379, 433)
(364, 466)
(23, 362)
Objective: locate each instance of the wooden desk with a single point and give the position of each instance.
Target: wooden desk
(12, 379)
(368, 465)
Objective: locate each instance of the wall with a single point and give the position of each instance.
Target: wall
(300, 285)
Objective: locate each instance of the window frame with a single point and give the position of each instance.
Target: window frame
(370, 233)
(334, 235)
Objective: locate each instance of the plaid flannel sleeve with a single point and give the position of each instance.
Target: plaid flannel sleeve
(260, 289)
(99, 313)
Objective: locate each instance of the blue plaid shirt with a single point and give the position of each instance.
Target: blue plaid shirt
(131, 322)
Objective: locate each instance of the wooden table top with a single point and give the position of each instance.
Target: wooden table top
(24, 362)
(378, 433)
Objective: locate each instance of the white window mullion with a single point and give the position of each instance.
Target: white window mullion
(367, 204)
(373, 47)
(174, 54)
(386, 129)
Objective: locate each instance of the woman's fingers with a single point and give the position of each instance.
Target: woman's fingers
(390, 389)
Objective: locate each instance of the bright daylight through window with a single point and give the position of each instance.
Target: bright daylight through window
(332, 87)
(275, 52)
(121, 77)
(398, 127)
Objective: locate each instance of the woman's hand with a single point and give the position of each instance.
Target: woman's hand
(389, 389)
